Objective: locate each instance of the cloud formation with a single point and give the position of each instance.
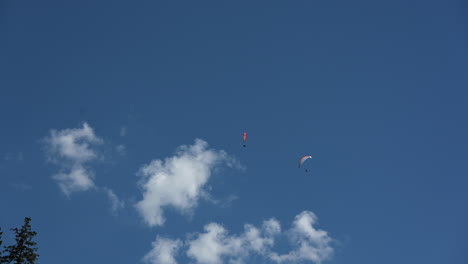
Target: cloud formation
(177, 181)
(163, 251)
(116, 203)
(216, 246)
(310, 244)
(72, 149)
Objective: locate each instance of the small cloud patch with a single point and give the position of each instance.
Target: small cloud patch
(177, 181)
(72, 149)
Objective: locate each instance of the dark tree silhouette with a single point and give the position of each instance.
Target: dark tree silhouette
(24, 251)
(1, 242)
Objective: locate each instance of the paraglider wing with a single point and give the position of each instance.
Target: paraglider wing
(303, 159)
(244, 137)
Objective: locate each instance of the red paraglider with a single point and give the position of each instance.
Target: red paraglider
(303, 159)
(244, 136)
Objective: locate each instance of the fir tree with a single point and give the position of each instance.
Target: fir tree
(1, 242)
(24, 251)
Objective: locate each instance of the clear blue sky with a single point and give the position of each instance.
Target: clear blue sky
(375, 91)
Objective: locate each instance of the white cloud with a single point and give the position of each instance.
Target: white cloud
(177, 181)
(163, 251)
(224, 202)
(216, 246)
(272, 226)
(72, 148)
(77, 178)
(74, 144)
(210, 246)
(116, 203)
(310, 244)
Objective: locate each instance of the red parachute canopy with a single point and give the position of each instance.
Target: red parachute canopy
(244, 136)
(304, 159)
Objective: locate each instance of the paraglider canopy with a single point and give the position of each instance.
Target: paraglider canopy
(303, 159)
(244, 137)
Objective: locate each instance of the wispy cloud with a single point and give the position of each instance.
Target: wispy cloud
(72, 149)
(310, 244)
(163, 251)
(116, 203)
(77, 178)
(225, 202)
(216, 246)
(177, 181)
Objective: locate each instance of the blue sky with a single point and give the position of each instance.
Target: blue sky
(375, 92)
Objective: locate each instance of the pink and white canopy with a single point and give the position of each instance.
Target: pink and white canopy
(304, 159)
